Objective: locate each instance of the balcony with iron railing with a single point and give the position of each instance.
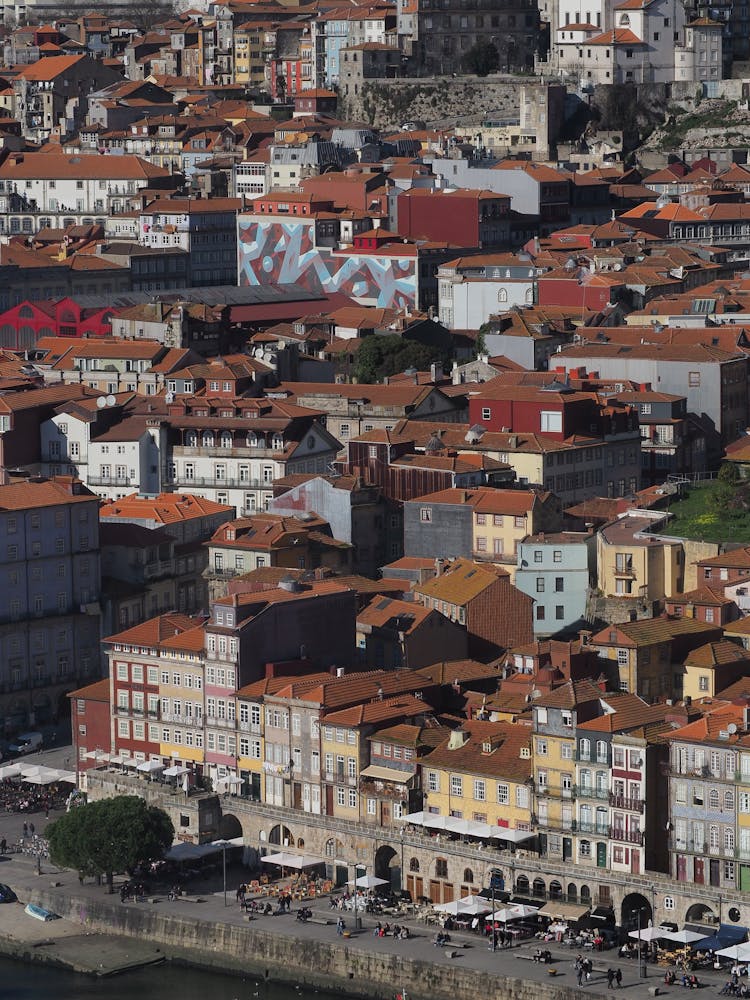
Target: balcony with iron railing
(626, 802)
(599, 829)
(626, 836)
(592, 792)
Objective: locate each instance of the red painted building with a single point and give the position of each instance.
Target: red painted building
(554, 410)
(21, 326)
(578, 287)
(90, 722)
(462, 217)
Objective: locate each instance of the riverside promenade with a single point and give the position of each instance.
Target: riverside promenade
(102, 935)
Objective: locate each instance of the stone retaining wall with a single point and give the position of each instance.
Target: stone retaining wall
(283, 958)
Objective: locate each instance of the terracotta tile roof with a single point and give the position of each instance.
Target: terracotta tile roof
(627, 711)
(459, 672)
(166, 508)
(714, 722)
(154, 631)
(487, 500)
(402, 706)
(461, 582)
(504, 761)
(384, 612)
(618, 36)
(649, 631)
(714, 654)
(714, 596)
(48, 493)
(571, 694)
(733, 559)
(52, 166)
(740, 627)
(98, 691)
(353, 689)
(49, 67)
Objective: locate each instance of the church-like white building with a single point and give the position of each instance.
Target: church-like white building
(634, 41)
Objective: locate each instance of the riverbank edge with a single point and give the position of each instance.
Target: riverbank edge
(335, 966)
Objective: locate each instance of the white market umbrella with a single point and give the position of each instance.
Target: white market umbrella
(689, 937)
(648, 934)
(416, 818)
(130, 762)
(368, 882)
(150, 766)
(97, 755)
(516, 912)
(739, 952)
(10, 771)
(285, 859)
(67, 776)
(473, 906)
(43, 778)
(453, 908)
(176, 771)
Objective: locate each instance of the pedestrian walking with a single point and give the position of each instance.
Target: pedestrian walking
(340, 926)
(610, 978)
(31, 829)
(618, 978)
(3, 846)
(25, 830)
(579, 975)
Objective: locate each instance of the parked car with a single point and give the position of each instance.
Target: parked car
(6, 894)
(25, 743)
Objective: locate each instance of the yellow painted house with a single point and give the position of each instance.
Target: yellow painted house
(181, 682)
(632, 562)
(480, 773)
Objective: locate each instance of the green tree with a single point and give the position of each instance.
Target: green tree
(112, 835)
(482, 59)
(728, 473)
(377, 357)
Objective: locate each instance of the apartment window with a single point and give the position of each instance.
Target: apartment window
(694, 379)
(503, 795)
(433, 784)
(457, 785)
(480, 791)
(425, 514)
(486, 412)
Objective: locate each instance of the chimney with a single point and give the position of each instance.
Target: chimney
(439, 567)
(435, 373)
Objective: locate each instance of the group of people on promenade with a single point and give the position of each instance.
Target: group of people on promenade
(20, 797)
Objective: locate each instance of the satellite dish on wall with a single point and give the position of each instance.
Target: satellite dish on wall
(169, 398)
(732, 728)
(111, 400)
(101, 402)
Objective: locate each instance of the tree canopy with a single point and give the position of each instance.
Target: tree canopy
(111, 835)
(482, 59)
(379, 356)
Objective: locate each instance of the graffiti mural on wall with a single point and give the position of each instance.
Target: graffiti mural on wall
(283, 252)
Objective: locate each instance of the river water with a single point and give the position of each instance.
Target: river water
(19, 981)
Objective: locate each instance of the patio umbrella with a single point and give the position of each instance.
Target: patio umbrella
(648, 934)
(285, 859)
(738, 952)
(687, 937)
(368, 882)
(10, 771)
(453, 908)
(473, 906)
(516, 912)
(150, 767)
(175, 771)
(130, 762)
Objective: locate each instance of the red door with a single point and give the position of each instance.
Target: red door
(681, 868)
(699, 876)
(635, 862)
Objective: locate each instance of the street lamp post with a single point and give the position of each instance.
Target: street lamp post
(357, 918)
(494, 873)
(641, 963)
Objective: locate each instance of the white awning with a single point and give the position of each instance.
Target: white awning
(10, 771)
(285, 859)
(417, 818)
(150, 766)
(648, 934)
(386, 774)
(176, 771)
(512, 836)
(564, 911)
(97, 755)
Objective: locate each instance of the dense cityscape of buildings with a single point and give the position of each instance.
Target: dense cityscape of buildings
(343, 457)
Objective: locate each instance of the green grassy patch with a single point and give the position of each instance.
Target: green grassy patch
(716, 512)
